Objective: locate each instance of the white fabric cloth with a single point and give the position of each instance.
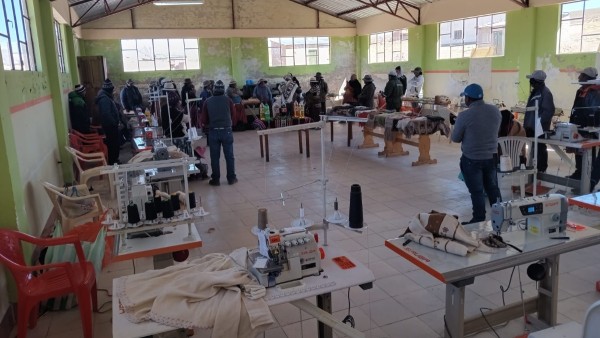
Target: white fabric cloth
(203, 293)
(415, 86)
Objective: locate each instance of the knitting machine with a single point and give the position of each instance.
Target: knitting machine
(284, 255)
(565, 131)
(542, 215)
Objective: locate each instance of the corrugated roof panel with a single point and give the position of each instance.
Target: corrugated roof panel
(98, 9)
(364, 13)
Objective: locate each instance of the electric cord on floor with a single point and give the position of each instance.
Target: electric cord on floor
(349, 318)
(103, 304)
(503, 290)
(105, 290)
(486, 321)
(446, 327)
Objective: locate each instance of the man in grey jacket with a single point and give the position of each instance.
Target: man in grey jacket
(545, 101)
(477, 129)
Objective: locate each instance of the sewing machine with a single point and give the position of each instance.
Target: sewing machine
(543, 215)
(292, 254)
(565, 131)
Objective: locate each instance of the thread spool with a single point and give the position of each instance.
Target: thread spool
(158, 204)
(192, 198)
(262, 219)
(150, 208)
(505, 163)
(167, 208)
(133, 214)
(355, 211)
(175, 202)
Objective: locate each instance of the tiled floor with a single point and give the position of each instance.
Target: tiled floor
(404, 302)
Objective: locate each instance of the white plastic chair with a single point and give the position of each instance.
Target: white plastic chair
(513, 147)
(591, 324)
(95, 162)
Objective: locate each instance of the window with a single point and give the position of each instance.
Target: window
(481, 36)
(59, 47)
(298, 51)
(388, 46)
(160, 54)
(15, 36)
(579, 29)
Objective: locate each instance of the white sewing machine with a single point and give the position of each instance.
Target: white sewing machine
(565, 131)
(292, 255)
(543, 215)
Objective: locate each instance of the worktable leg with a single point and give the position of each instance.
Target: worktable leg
(349, 132)
(586, 174)
(368, 139)
(267, 146)
(455, 311)
(548, 293)
(300, 140)
(260, 140)
(393, 148)
(307, 143)
(331, 128)
(424, 147)
(324, 303)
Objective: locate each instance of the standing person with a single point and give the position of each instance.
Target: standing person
(312, 100)
(216, 113)
(239, 115)
(324, 91)
(173, 127)
(586, 110)
(131, 98)
(545, 101)
(263, 93)
(476, 128)
(234, 93)
(78, 112)
(206, 91)
(415, 84)
(110, 119)
(393, 92)
(187, 91)
(402, 78)
(288, 93)
(365, 98)
(356, 86)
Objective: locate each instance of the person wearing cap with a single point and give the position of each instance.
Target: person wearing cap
(476, 129)
(545, 102)
(173, 117)
(263, 93)
(324, 91)
(206, 91)
(415, 84)
(402, 78)
(110, 120)
(239, 115)
(187, 91)
(131, 98)
(365, 98)
(216, 114)
(78, 112)
(393, 92)
(312, 100)
(585, 110)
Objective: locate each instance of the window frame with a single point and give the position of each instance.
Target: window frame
(460, 25)
(581, 34)
(60, 52)
(403, 32)
(24, 43)
(169, 53)
(297, 57)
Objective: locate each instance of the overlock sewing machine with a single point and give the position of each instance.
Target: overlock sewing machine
(565, 131)
(292, 254)
(543, 215)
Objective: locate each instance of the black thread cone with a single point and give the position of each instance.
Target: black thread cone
(157, 204)
(167, 208)
(192, 197)
(133, 214)
(175, 202)
(355, 212)
(150, 210)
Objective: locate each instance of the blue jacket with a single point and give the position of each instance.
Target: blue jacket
(263, 93)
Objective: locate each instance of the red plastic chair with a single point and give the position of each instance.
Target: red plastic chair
(88, 145)
(41, 282)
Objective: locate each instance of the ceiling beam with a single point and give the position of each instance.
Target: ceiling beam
(307, 4)
(394, 12)
(107, 11)
(522, 3)
(356, 9)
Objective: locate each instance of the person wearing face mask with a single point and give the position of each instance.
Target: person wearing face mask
(365, 98)
(131, 98)
(110, 120)
(545, 102)
(476, 128)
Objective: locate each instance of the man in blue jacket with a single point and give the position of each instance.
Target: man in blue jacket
(110, 119)
(545, 101)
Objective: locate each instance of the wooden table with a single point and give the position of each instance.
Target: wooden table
(457, 272)
(332, 278)
(263, 136)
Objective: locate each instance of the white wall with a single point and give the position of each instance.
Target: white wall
(35, 138)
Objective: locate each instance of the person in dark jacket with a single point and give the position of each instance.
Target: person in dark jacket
(312, 100)
(174, 127)
(78, 112)
(324, 91)
(545, 101)
(356, 86)
(585, 110)
(187, 91)
(216, 113)
(368, 92)
(402, 78)
(393, 92)
(131, 98)
(110, 119)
